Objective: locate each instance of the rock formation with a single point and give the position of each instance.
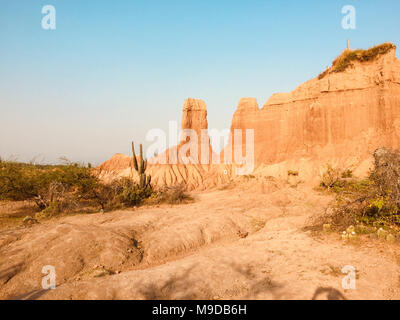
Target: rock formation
(177, 164)
(194, 115)
(340, 118)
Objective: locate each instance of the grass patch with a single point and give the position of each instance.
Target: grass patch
(346, 59)
(332, 271)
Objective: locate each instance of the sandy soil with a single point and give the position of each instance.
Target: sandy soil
(244, 242)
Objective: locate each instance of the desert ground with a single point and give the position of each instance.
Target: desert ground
(247, 240)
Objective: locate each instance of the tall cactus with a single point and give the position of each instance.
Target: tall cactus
(144, 180)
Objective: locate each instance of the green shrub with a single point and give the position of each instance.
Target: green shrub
(71, 186)
(132, 194)
(44, 183)
(120, 193)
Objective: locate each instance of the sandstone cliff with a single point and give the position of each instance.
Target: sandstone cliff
(340, 118)
(177, 164)
(343, 118)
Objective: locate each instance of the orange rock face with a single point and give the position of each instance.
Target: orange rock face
(194, 129)
(194, 115)
(340, 119)
(343, 117)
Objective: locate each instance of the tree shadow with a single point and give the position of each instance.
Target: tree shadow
(8, 273)
(331, 294)
(181, 287)
(176, 287)
(32, 295)
(265, 285)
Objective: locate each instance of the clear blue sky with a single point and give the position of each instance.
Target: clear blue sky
(114, 69)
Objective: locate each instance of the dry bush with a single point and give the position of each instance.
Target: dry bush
(120, 193)
(346, 59)
(330, 177)
(44, 184)
(372, 201)
(171, 195)
(387, 174)
(74, 188)
(69, 187)
(105, 195)
(334, 177)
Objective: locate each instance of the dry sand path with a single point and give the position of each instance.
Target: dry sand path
(242, 243)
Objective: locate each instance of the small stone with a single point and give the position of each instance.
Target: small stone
(350, 229)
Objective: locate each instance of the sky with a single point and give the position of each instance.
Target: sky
(113, 70)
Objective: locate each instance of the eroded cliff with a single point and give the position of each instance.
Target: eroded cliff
(338, 118)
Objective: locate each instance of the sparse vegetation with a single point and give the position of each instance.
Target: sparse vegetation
(120, 193)
(71, 187)
(171, 195)
(346, 59)
(368, 204)
(333, 177)
(332, 270)
(47, 185)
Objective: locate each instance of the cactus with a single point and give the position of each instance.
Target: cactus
(144, 180)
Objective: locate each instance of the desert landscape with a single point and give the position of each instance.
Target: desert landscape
(322, 198)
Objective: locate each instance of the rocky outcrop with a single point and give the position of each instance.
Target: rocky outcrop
(177, 165)
(341, 118)
(194, 115)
